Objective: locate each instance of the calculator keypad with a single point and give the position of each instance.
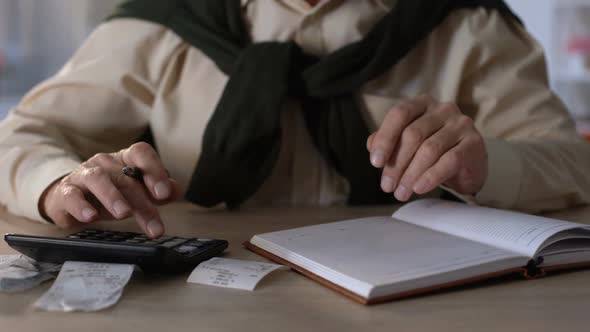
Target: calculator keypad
(183, 246)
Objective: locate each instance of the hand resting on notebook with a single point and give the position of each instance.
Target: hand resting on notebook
(423, 143)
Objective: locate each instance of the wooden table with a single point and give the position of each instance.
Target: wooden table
(287, 301)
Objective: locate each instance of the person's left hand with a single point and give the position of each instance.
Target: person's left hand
(422, 144)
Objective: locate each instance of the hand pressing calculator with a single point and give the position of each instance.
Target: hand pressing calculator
(168, 254)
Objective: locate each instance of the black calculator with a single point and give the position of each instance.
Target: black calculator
(168, 254)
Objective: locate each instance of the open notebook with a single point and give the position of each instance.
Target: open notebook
(426, 245)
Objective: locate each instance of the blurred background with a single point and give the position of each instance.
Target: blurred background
(38, 36)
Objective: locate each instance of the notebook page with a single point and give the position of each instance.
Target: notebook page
(364, 253)
(514, 231)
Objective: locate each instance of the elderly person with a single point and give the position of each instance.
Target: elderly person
(293, 102)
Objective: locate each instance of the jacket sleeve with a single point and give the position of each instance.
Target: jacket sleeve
(99, 102)
(537, 160)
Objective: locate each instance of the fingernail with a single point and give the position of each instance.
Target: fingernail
(378, 158)
(402, 193)
(88, 214)
(387, 184)
(121, 208)
(155, 228)
(420, 186)
(162, 190)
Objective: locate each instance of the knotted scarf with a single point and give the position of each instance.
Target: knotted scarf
(242, 140)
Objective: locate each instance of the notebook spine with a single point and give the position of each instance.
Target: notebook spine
(532, 269)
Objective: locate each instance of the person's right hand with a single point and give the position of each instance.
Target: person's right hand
(98, 190)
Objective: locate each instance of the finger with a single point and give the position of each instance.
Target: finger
(444, 169)
(144, 210)
(58, 214)
(174, 196)
(99, 183)
(370, 142)
(412, 138)
(427, 155)
(63, 219)
(77, 206)
(155, 177)
(103, 213)
(389, 132)
(474, 166)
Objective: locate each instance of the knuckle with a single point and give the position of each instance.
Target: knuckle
(86, 164)
(432, 148)
(412, 135)
(400, 112)
(95, 172)
(450, 106)
(65, 181)
(464, 121)
(407, 180)
(431, 177)
(140, 149)
(427, 98)
(475, 139)
(439, 110)
(446, 109)
(380, 139)
(69, 193)
(392, 172)
(101, 158)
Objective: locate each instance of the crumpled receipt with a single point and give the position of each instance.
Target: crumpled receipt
(232, 273)
(19, 273)
(83, 286)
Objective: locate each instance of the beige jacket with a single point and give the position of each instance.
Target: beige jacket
(132, 73)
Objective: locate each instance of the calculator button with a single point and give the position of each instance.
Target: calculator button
(180, 239)
(74, 237)
(196, 243)
(132, 241)
(173, 243)
(186, 249)
(205, 240)
(127, 235)
(169, 244)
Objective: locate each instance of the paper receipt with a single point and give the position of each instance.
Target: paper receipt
(82, 286)
(232, 273)
(19, 273)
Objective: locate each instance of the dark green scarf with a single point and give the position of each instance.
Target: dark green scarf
(243, 138)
